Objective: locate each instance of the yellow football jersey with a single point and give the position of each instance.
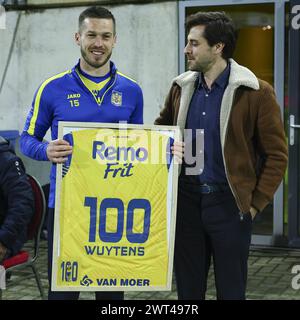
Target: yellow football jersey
(113, 210)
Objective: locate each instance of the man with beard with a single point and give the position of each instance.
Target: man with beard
(93, 91)
(245, 156)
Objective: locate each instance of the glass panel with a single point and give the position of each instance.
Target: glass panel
(286, 113)
(298, 180)
(255, 50)
(293, 104)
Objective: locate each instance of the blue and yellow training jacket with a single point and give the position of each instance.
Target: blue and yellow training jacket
(66, 97)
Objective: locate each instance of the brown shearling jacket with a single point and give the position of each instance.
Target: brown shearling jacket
(252, 135)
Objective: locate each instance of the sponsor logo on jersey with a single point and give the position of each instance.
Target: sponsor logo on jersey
(73, 96)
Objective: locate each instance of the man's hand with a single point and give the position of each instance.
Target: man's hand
(178, 151)
(3, 250)
(58, 151)
(253, 212)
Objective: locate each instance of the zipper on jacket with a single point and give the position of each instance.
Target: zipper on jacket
(101, 99)
(226, 171)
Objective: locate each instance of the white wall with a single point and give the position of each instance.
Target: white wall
(147, 51)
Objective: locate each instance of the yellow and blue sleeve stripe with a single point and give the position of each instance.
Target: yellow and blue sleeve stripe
(37, 101)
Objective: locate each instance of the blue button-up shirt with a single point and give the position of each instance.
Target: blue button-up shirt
(204, 113)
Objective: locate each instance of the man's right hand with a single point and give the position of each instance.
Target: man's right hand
(58, 151)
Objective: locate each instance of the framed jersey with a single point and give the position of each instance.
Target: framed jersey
(116, 198)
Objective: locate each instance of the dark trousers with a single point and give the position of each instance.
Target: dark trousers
(210, 225)
(70, 295)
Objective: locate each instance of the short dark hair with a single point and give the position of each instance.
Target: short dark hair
(98, 13)
(218, 28)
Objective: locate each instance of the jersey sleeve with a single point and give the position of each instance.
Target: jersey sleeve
(38, 121)
(137, 115)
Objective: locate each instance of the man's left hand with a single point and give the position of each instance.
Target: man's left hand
(178, 151)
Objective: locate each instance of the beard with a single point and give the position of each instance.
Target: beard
(198, 67)
(201, 66)
(95, 64)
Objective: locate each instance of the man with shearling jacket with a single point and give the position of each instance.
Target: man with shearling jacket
(16, 201)
(245, 157)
